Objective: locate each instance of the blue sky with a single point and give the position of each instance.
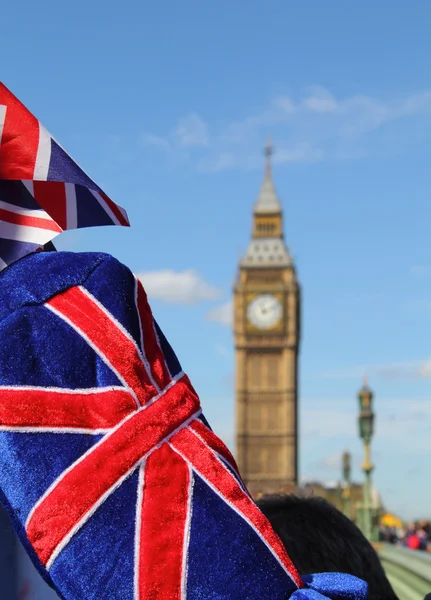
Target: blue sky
(167, 106)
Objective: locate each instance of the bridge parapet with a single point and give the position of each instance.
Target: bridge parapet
(409, 571)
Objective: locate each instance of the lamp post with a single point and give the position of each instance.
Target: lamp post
(346, 485)
(366, 429)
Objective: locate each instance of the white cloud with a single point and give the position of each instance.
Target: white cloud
(415, 369)
(284, 103)
(149, 139)
(395, 420)
(298, 154)
(321, 102)
(222, 314)
(322, 126)
(184, 287)
(318, 125)
(356, 113)
(192, 131)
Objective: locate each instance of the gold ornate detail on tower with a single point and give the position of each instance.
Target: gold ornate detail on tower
(267, 333)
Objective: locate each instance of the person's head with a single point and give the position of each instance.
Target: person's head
(319, 538)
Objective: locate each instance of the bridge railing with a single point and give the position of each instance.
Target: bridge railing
(409, 571)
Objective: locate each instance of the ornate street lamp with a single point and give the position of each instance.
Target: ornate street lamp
(366, 430)
(346, 494)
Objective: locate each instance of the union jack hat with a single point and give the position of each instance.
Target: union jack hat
(42, 190)
(113, 479)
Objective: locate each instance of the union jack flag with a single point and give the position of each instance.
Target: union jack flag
(115, 482)
(42, 190)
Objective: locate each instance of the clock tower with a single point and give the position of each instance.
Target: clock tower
(267, 332)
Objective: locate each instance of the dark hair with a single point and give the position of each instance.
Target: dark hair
(319, 538)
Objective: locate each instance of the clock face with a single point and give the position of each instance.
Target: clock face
(264, 311)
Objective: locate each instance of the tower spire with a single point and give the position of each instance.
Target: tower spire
(268, 150)
(267, 201)
(267, 246)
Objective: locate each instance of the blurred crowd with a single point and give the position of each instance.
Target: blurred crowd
(416, 536)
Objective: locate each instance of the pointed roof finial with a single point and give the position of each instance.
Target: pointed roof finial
(267, 201)
(365, 381)
(268, 148)
(269, 151)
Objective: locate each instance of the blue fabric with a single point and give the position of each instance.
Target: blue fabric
(38, 277)
(114, 521)
(251, 573)
(20, 530)
(15, 192)
(336, 586)
(10, 250)
(51, 452)
(63, 168)
(42, 332)
(90, 210)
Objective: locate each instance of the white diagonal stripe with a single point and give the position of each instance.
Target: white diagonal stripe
(2, 119)
(43, 156)
(138, 525)
(141, 350)
(26, 212)
(20, 233)
(187, 527)
(71, 207)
